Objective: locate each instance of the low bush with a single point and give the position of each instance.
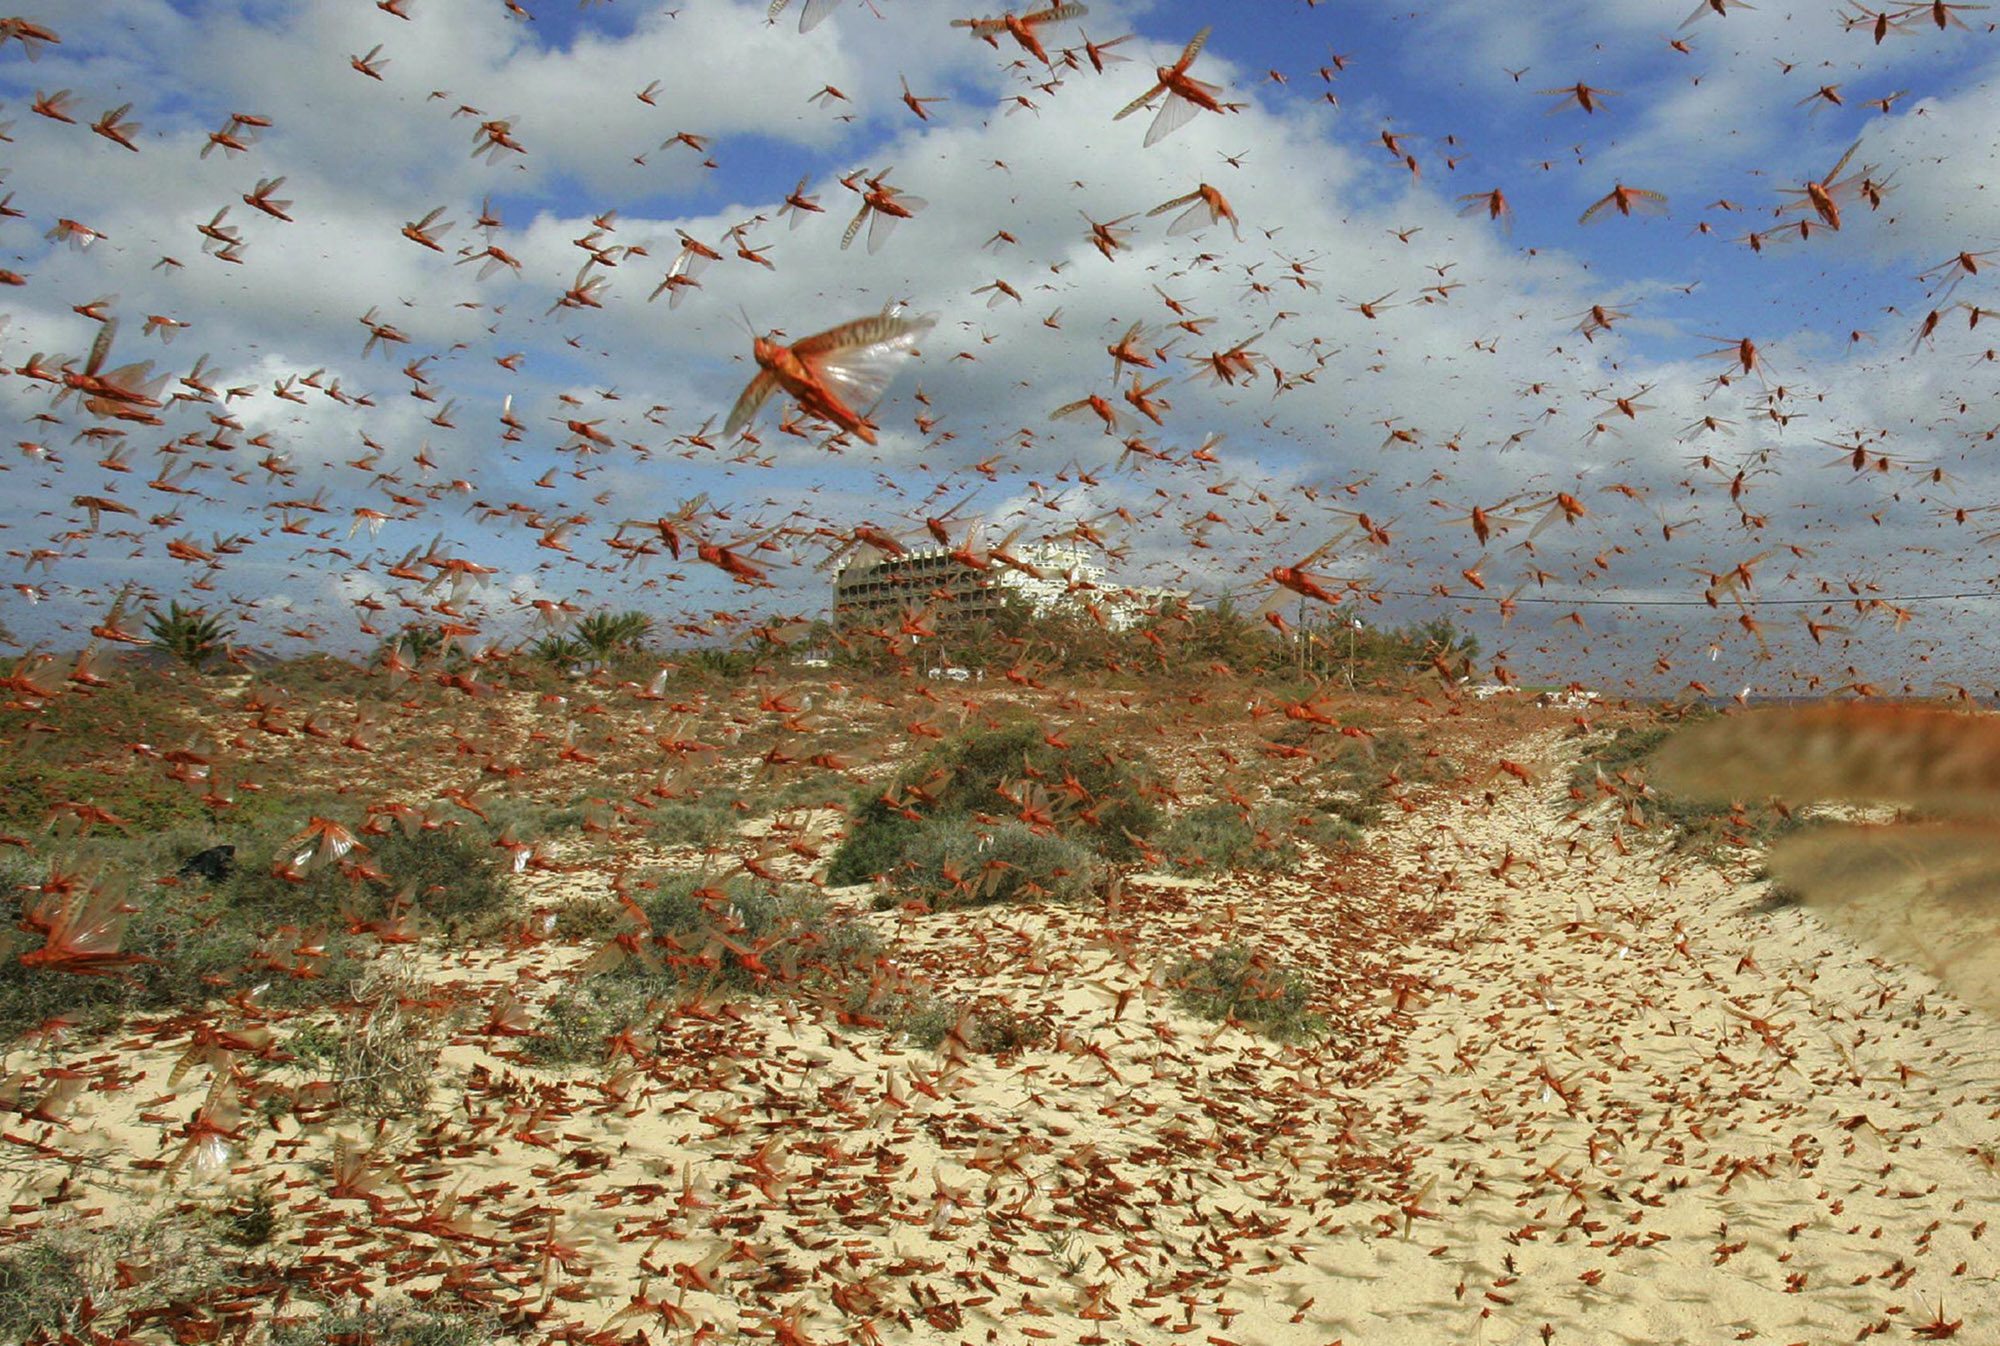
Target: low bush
(984, 1030)
(1357, 810)
(1221, 836)
(706, 822)
(1095, 796)
(44, 1286)
(382, 1055)
(197, 938)
(1363, 778)
(75, 1281)
(800, 940)
(950, 862)
(388, 1325)
(1328, 829)
(1208, 837)
(192, 947)
(874, 844)
(1236, 984)
(453, 874)
(814, 791)
(80, 748)
(532, 819)
(581, 1018)
(587, 918)
(784, 943)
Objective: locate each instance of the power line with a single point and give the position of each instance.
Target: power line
(1359, 588)
(1886, 600)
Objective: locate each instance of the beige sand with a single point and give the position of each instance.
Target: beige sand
(1561, 1100)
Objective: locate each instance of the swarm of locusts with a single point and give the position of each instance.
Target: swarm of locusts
(701, 672)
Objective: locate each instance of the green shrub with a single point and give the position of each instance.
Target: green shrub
(1361, 776)
(391, 1325)
(320, 676)
(1234, 983)
(582, 1017)
(419, 642)
(588, 918)
(1328, 828)
(138, 794)
(1217, 836)
(17, 874)
(604, 634)
(813, 791)
(806, 944)
(189, 635)
(43, 1286)
(1220, 836)
(707, 821)
(924, 1020)
(707, 664)
(560, 652)
(1778, 897)
(876, 839)
(457, 879)
(201, 941)
(950, 862)
(382, 1055)
(1097, 797)
(67, 1274)
(532, 818)
(195, 947)
(1624, 752)
(985, 1030)
(804, 953)
(1357, 811)
(199, 951)
(250, 1219)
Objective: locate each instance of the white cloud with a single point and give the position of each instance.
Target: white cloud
(1478, 341)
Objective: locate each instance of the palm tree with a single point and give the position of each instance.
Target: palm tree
(189, 635)
(561, 651)
(603, 634)
(416, 642)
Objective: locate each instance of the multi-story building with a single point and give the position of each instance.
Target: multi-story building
(869, 591)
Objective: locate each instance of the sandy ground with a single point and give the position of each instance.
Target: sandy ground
(1559, 1100)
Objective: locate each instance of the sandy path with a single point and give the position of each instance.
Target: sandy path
(1776, 1149)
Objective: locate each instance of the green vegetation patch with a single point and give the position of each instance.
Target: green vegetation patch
(1221, 836)
(953, 862)
(736, 938)
(195, 939)
(1085, 792)
(1237, 984)
(972, 1027)
(393, 1325)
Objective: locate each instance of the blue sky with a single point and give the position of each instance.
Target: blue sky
(1476, 360)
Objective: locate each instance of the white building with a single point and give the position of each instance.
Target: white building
(950, 593)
